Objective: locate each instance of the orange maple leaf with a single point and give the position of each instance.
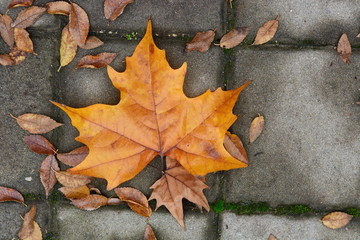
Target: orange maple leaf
(154, 117)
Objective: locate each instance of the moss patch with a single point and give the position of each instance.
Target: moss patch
(297, 209)
(353, 211)
(32, 196)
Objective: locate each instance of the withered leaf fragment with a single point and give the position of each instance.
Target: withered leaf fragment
(358, 36)
(256, 127)
(78, 24)
(135, 199)
(6, 31)
(23, 41)
(149, 233)
(114, 8)
(68, 47)
(266, 32)
(234, 146)
(114, 201)
(201, 42)
(92, 42)
(98, 61)
(30, 230)
(9, 194)
(17, 56)
(72, 180)
(28, 17)
(6, 60)
(336, 220)
(91, 202)
(234, 37)
(344, 48)
(47, 174)
(74, 157)
(20, 3)
(176, 184)
(75, 192)
(36, 123)
(272, 237)
(58, 7)
(39, 144)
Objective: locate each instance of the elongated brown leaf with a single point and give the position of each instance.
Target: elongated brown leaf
(98, 61)
(72, 180)
(74, 157)
(6, 31)
(256, 127)
(23, 41)
(9, 194)
(20, 3)
(78, 24)
(201, 42)
(136, 200)
(36, 123)
(17, 56)
(6, 60)
(234, 37)
(114, 201)
(344, 48)
(39, 144)
(114, 8)
(68, 47)
(266, 32)
(336, 220)
(76, 192)
(58, 7)
(234, 146)
(30, 230)
(149, 233)
(92, 42)
(90, 202)
(47, 174)
(28, 17)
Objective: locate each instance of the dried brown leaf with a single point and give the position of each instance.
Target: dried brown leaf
(78, 24)
(74, 157)
(201, 42)
(23, 41)
(36, 123)
(256, 127)
(30, 230)
(136, 200)
(20, 3)
(6, 31)
(90, 202)
(75, 192)
(92, 42)
(272, 237)
(149, 233)
(344, 48)
(47, 174)
(114, 201)
(234, 146)
(234, 37)
(39, 144)
(17, 56)
(114, 8)
(68, 47)
(336, 220)
(98, 61)
(28, 17)
(6, 60)
(358, 36)
(58, 7)
(9, 194)
(175, 185)
(72, 180)
(266, 32)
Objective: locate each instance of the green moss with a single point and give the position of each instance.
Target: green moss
(54, 197)
(307, 42)
(353, 211)
(32, 196)
(219, 206)
(132, 36)
(51, 236)
(296, 209)
(241, 208)
(184, 37)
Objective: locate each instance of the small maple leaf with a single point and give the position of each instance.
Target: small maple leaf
(154, 117)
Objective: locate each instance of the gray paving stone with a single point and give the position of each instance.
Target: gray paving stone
(261, 226)
(113, 223)
(320, 21)
(309, 150)
(25, 88)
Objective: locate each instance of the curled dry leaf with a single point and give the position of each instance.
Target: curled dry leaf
(58, 7)
(272, 237)
(47, 174)
(336, 220)
(6, 60)
(201, 42)
(28, 17)
(176, 184)
(114, 8)
(20, 3)
(135, 199)
(344, 48)
(30, 230)
(90, 202)
(114, 201)
(266, 32)
(17, 55)
(256, 127)
(234, 37)
(74, 157)
(92, 42)
(149, 233)
(234, 146)
(75, 192)
(78, 24)
(9, 194)
(23, 41)
(39, 144)
(98, 61)
(72, 180)
(36, 123)
(68, 47)
(6, 31)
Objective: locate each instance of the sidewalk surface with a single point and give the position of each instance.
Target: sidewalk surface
(308, 156)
